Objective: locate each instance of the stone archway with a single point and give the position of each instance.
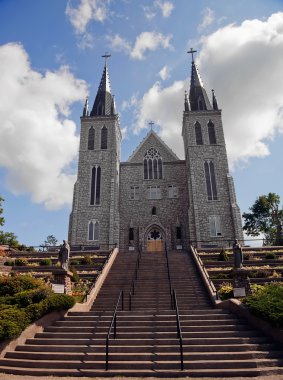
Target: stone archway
(155, 239)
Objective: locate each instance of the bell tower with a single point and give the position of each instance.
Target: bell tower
(94, 219)
(214, 216)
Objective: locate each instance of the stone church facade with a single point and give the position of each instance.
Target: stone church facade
(154, 197)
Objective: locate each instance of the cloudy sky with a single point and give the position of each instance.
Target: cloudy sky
(50, 60)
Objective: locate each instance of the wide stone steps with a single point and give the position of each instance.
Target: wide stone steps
(215, 342)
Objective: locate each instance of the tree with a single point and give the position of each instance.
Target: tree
(2, 220)
(50, 241)
(8, 238)
(267, 218)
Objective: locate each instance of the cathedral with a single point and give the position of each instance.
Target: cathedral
(154, 198)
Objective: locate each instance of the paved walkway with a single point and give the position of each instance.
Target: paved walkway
(20, 377)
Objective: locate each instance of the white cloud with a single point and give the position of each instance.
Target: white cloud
(118, 43)
(164, 107)
(86, 41)
(166, 7)
(149, 13)
(164, 73)
(149, 41)
(248, 82)
(87, 11)
(37, 140)
(208, 19)
(131, 103)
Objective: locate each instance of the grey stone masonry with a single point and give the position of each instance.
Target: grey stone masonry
(154, 198)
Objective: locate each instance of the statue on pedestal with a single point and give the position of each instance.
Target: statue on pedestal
(238, 255)
(64, 255)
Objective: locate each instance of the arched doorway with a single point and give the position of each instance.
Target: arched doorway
(155, 240)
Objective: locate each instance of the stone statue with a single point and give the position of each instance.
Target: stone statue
(238, 255)
(64, 255)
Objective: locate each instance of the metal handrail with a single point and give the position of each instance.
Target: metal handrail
(113, 321)
(169, 277)
(132, 291)
(179, 331)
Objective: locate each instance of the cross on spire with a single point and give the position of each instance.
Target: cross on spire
(192, 51)
(151, 124)
(106, 56)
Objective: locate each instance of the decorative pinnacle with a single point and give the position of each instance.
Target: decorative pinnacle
(192, 51)
(106, 56)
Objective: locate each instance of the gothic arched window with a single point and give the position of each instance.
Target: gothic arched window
(104, 133)
(93, 230)
(91, 136)
(153, 210)
(211, 132)
(95, 186)
(152, 164)
(210, 181)
(198, 134)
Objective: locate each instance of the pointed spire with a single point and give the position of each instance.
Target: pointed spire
(104, 103)
(187, 104)
(198, 97)
(214, 101)
(85, 110)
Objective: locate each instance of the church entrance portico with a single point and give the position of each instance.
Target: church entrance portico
(155, 239)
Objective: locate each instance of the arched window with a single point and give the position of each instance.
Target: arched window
(100, 109)
(178, 233)
(210, 180)
(93, 230)
(152, 164)
(200, 103)
(198, 134)
(211, 132)
(153, 210)
(104, 133)
(91, 136)
(131, 234)
(95, 186)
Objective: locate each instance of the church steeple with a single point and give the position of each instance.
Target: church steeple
(104, 104)
(198, 98)
(214, 101)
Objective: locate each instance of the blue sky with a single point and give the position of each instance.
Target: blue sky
(50, 60)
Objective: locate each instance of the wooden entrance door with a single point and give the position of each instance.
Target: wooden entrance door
(155, 241)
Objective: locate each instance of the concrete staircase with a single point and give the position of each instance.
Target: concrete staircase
(215, 342)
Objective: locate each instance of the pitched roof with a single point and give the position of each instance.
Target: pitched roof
(152, 140)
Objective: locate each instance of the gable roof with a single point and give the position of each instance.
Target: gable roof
(152, 140)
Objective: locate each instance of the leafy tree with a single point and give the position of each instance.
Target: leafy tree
(8, 238)
(266, 217)
(50, 241)
(2, 220)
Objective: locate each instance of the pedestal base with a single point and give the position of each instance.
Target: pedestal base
(62, 277)
(241, 283)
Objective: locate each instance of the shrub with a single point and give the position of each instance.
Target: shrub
(31, 249)
(46, 262)
(9, 330)
(225, 291)
(75, 275)
(21, 262)
(9, 263)
(58, 302)
(247, 256)
(267, 303)
(221, 276)
(28, 297)
(36, 311)
(15, 284)
(223, 256)
(22, 247)
(86, 260)
(270, 256)
(75, 262)
(260, 273)
(16, 315)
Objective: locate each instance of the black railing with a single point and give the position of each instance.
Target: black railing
(169, 277)
(135, 277)
(179, 331)
(113, 324)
